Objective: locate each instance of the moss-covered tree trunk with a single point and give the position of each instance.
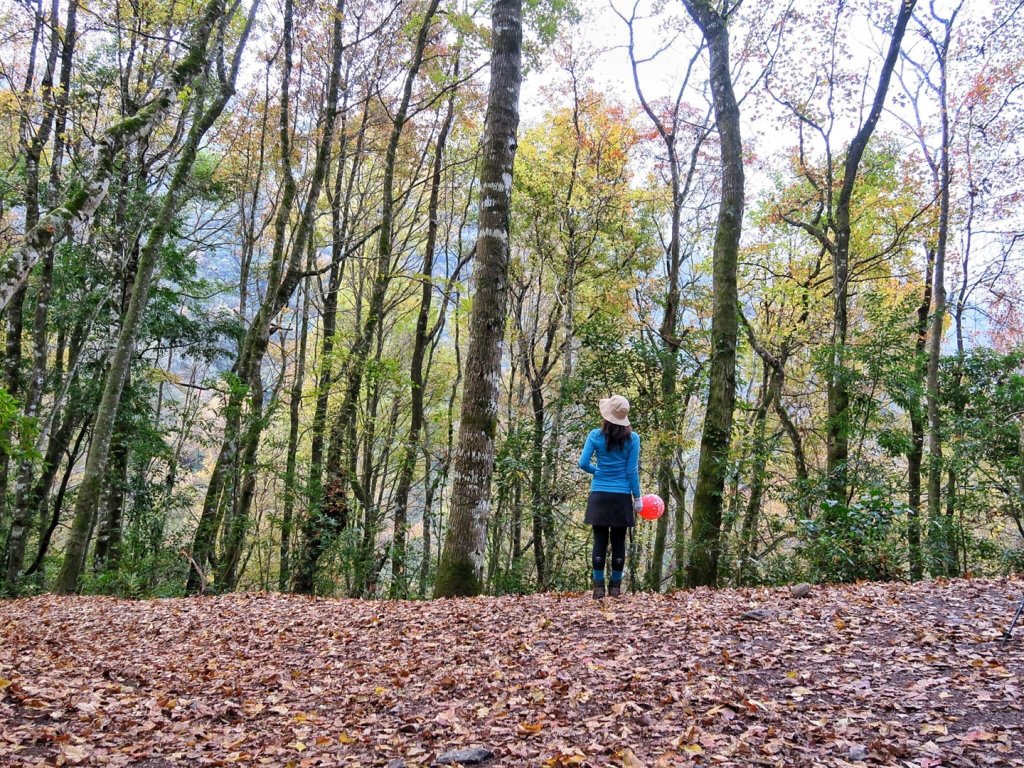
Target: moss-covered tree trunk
(462, 560)
(714, 446)
(107, 551)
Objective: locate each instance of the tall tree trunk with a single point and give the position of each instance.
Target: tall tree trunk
(89, 491)
(461, 567)
(916, 453)
(291, 491)
(838, 441)
(941, 536)
(407, 464)
(702, 568)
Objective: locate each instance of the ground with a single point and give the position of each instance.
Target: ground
(863, 675)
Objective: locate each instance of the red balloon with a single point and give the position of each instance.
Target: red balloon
(653, 507)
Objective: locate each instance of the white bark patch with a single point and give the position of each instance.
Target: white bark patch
(498, 234)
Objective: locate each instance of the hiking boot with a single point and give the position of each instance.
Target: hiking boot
(598, 590)
(615, 589)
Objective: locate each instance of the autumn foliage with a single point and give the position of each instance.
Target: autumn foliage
(867, 674)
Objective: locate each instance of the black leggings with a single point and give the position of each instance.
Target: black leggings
(618, 537)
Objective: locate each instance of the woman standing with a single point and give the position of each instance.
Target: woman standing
(615, 490)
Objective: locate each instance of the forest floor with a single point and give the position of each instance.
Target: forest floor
(863, 675)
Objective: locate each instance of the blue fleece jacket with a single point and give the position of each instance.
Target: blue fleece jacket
(617, 471)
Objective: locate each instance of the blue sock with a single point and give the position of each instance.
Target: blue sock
(599, 576)
(616, 577)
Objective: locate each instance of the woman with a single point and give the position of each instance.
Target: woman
(614, 491)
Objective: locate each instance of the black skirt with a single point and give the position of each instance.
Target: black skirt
(614, 509)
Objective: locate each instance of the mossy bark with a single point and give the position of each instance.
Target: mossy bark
(702, 568)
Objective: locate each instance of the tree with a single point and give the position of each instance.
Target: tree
(715, 438)
(683, 135)
(149, 259)
(285, 272)
(322, 524)
(461, 569)
(55, 117)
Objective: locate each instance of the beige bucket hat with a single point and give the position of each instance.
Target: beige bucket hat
(615, 409)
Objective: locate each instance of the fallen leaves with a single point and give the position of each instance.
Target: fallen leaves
(901, 675)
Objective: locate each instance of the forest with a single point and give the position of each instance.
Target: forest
(320, 297)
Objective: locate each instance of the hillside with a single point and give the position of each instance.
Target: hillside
(872, 674)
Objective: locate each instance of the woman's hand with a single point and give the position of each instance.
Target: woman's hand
(638, 504)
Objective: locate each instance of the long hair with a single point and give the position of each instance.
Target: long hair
(615, 435)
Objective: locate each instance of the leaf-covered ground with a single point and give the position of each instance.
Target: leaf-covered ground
(894, 674)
